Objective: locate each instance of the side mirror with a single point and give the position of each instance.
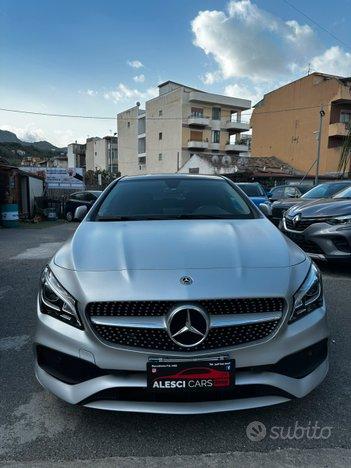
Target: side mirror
(80, 213)
(266, 210)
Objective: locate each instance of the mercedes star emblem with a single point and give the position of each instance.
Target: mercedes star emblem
(186, 280)
(188, 325)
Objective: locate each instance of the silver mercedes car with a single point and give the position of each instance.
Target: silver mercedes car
(177, 295)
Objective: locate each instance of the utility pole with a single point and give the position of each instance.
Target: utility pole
(321, 115)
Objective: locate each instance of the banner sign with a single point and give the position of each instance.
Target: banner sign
(59, 178)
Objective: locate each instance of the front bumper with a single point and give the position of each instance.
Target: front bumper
(257, 381)
(321, 241)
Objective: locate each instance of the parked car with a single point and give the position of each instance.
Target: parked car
(287, 191)
(167, 273)
(325, 190)
(322, 227)
(255, 192)
(86, 198)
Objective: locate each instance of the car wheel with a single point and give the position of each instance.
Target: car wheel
(69, 216)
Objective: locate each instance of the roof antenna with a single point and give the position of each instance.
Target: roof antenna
(309, 69)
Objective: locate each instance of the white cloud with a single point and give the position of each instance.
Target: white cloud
(247, 41)
(334, 61)
(211, 77)
(139, 78)
(253, 93)
(135, 63)
(88, 92)
(124, 93)
(258, 51)
(91, 92)
(29, 133)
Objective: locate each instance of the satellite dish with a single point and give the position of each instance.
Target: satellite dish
(226, 160)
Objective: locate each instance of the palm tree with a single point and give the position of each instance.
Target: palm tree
(345, 156)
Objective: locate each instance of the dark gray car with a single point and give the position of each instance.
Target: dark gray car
(322, 227)
(321, 191)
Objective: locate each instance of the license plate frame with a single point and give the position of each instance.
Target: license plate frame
(190, 375)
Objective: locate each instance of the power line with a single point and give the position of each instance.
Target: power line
(18, 111)
(317, 24)
(47, 114)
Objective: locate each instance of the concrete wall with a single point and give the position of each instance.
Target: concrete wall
(197, 164)
(289, 134)
(89, 154)
(127, 124)
(71, 156)
(170, 125)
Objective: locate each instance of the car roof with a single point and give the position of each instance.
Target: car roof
(247, 183)
(336, 182)
(292, 185)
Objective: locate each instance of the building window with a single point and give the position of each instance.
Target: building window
(196, 135)
(95, 153)
(128, 124)
(216, 134)
(194, 170)
(216, 113)
(160, 156)
(345, 116)
(160, 113)
(160, 136)
(197, 112)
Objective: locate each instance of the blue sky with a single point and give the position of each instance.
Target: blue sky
(80, 57)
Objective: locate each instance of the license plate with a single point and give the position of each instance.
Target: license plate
(190, 375)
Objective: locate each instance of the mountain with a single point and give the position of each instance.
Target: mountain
(10, 137)
(45, 146)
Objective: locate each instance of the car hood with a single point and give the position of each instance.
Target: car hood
(177, 245)
(328, 207)
(289, 202)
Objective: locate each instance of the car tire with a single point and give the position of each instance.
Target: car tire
(69, 216)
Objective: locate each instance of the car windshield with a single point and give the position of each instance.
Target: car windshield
(173, 198)
(346, 193)
(252, 190)
(325, 190)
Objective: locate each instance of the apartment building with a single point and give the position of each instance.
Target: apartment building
(285, 123)
(76, 155)
(178, 123)
(102, 154)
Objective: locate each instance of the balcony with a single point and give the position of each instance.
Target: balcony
(236, 148)
(198, 121)
(193, 144)
(339, 129)
(237, 126)
(215, 146)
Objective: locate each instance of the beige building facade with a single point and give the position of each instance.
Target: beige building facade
(178, 123)
(285, 123)
(102, 154)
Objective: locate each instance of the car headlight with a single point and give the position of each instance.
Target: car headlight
(56, 301)
(340, 220)
(309, 296)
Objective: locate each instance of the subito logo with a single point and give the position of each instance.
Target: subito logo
(256, 431)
